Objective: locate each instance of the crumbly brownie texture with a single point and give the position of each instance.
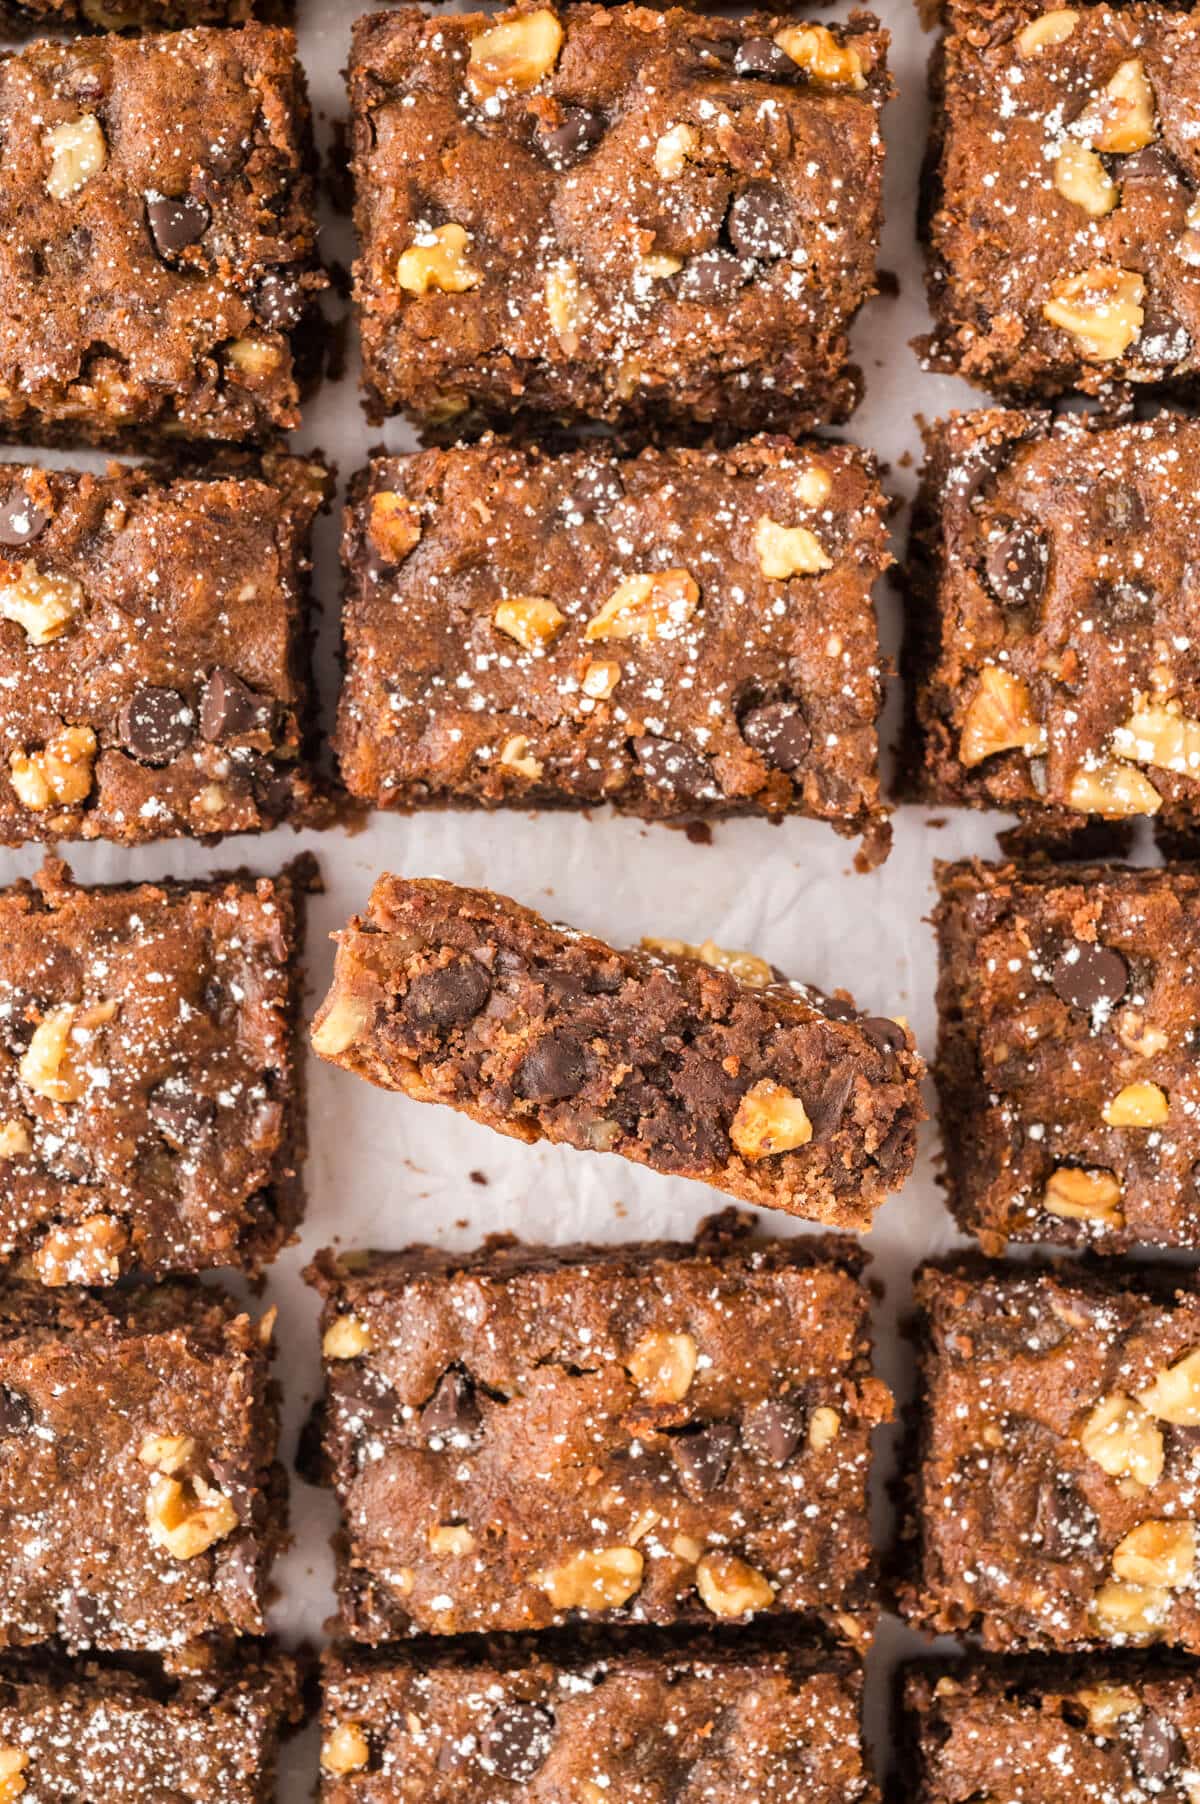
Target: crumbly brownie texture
(528, 1436)
(140, 1506)
(1056, 1479)
(151, 1110)
(722, 1071)
(123, 15)
(615, 212)
(1070, 1094)
(154, 652)
(651, 1726)
(1064, 238)
(157, 251)
(1107, 1732)
(1051, 656)
(80, 1730)
(677, 633)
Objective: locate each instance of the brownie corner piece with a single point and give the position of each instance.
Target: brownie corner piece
(748, 1721)
(523, 1437)
(741, 162)
(182, 1455)
(1054, 1476)
(151, 1099)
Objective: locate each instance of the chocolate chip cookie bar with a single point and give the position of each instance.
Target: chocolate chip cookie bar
(157, 262)
(1054, 1486)
(683, 632)
(151, 1108)
(154, 652)
(1051, 657)
(693, 1060)
(529, 1436)
(1064, 239)
(615, 212)
(1070, 1094)
(79, 1729)
(694, 1722)
(140, 1502)
(1095, 1729)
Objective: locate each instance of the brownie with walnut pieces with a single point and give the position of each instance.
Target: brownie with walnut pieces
(154, 644)
(1061, 216)
(1112, 1732)
(664, 1722)
(141, 1503)
(615, 212)
(1054, 1484)
(695, 1061)
(157, 261)
(208, 1735)
(1070, 1093)
(526, 1436)
(21, 16)
(151, 1100)
(683, 632)
(1051, 656)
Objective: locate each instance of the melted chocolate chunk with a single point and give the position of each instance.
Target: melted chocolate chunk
(595, 490)
(15, 1412)
(760, 223)
(1158, 1749)
(555, 1069)
(1086, 976)
(762, 57)
(452, 1412)
(703, 1456)
(516, 1741)
(1016, 563)
(447, 996)
(175, 224)
(229, 707)
(780, 732)
(182, 1115)
(279, 301)
(675, 767)
(773, 1429)
(712, 277)
(581, 127)
(156, 724)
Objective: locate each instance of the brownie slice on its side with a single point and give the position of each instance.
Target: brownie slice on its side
(526, 1437)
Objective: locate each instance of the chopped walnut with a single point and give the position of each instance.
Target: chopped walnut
(256, 358)
(451, 1539)
(345, 1749)
(602, 1579)
(999, 718)
(1107, 1704)
(686, 1547)
(1130, 1612)
(1113, 790)
(1049, 28)
(657, 266)
(1174, 1395)
(48, 1065)
(600, 679)
(568, 303)
(77, 152)
(345, 1338)
(343, 1023)
(1075, 1194)
(88, 1252)
(1122, 118)
(827, 63)
(747, 967)
(43, 604)
(663, 1366)
(169, 1453)
(813, 485)
(516, 755)
(769, 1120)
(1157, 1554)
(514, 54)
(729, 1587)
(1101, 309)
(1137, 1035)
(61, 773)
(393, 525)
(1124, 1440)
(187, 1516)
(1142, 1105)
(438, 260)
(1161, 738)
(532, 620)
(15, 1139)
(674, 149)
(13, 1765)
(785, 551)
(824, 1427)
(1081, 178)
(651, 605)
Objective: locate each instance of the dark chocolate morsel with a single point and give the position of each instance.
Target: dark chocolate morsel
(1016, 563)
(763, 57)
(1159, 1748)
(712, 277)
(760, 222)
(780, 732)
(581, 127)
(773, 1429)
(182, 1115)
(516, 1741)
(20, 519)
(15, 1413)
(673, 766)
(229, 707)
(887, 1035)
(279, 301)
(596, 488)
(703, 1455)
(175, 224)
(1086, 976)
(451, 994)
(452, 1412)
(552, 1070)
(826, 1111)
(156, 724)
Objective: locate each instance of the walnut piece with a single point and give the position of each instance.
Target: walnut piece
(827, 63)
(88, 1252)
(15, 1140)
(655, 604)
(13, 1765)
(256, 358)
(1100, 308)
(437, 259)
(44, 605)
(345, 1338)
(1161, 738)
(1156, 1554)
(345, 1749)
(516, 755)
(600, 1579)
(344, 1022)
(1122, 118)
(451, 1539)
(1124, 1440)
(824, 1427)
(1075, 1194)
(1174, 1395)
(1107, 1704)
(747, 967)
(1141, 1105)
(77, 152)
(784, 551)
(729, 1587)
(769, 1120)
(1081, 178)
(186, 1516)
(813, 485)
(514, 54)
(48, 1065)
(600, 678)
(999, 718)
(1049, 28)
(673, 150)
(393, 525)
(568, 303)
(1113, 790)
(61, 773)
(169, 1453)
(1130, 1612)
(663, 1366)
(532, 620)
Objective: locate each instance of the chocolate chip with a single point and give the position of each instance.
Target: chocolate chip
(826, 1110)
(581, 127)
(368, 1401)
(1159, 1749)
(1153, 163)
(175, 224)
(773, 1429)
(553, 1070)
(596, 488)
(760, 222)
(1121, 507)
(674, 767)
(1164, 339)
(279, 301)
(715, 53)
(713, 276)
(1086, 976)
(703, 1455)
(15, 1413)
(763, 57)
(452, 1412)
(516, 1741)
(980, 466)
(182, 1115)
(1016, 563)
(1062, 1519)
(20, 519)
(887, 1035)
(1124, 603)
(156, 724)
(228, 707)
(780, 732)
(451, 994)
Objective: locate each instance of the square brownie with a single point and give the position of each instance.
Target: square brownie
(1054, 1484)
(81, 1730)
(1066, 1068)
(1048, 1730)
(158, 255)
(1064, 243)
(1051, 658)
(523, 1437)
(615, 212)
(683, 632)
(154, 641)
(151, 1101)
(140, 1501)
(639, 1722)
(697, 1061)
